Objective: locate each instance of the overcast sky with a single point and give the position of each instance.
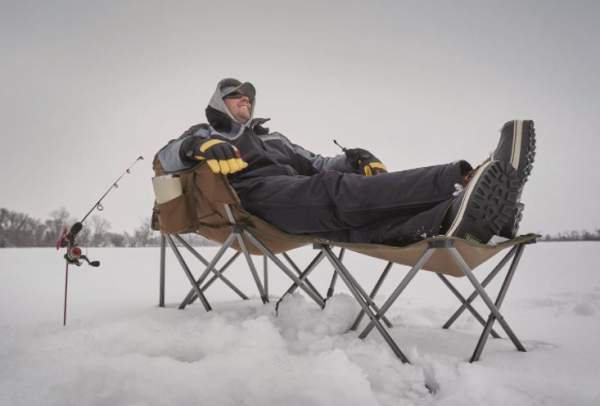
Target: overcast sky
(86, 87)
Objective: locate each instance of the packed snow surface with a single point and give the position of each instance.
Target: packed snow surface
(119, 348)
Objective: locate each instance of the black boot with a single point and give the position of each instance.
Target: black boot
(487, 205)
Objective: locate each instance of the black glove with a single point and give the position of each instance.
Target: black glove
(221, 156)
(365, 162)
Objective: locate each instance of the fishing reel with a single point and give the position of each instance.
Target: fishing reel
(74, 255)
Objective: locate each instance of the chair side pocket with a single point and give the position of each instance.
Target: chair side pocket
(174, 215)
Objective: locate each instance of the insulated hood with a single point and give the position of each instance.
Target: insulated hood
(218, 114)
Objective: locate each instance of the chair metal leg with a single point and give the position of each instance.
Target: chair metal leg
(470, 308)
(188, 273)
(191, 296)
(501, 294)
(197, 283)
(403, 284)
(238, 231)
(259, 286)
(331, 288)
(334, 276)
(365, 296)
(218, 273)
(266, 275)
(161, 286)
(360, 298)
(302, 275)
(485, 282)
(493, 309)
(376, 288)
(265, 251)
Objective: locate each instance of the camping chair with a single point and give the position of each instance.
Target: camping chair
(220, 217)
(210, 207)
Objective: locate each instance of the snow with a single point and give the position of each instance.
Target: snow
(119, 348)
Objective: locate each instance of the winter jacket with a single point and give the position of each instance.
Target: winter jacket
(267, 154)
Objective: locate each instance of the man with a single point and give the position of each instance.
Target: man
(340, 198)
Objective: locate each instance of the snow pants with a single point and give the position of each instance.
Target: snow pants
(395, 208)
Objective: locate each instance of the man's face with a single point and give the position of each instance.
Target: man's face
(240, 107)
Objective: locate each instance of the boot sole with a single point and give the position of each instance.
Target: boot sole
(523, 133)
(489, 205)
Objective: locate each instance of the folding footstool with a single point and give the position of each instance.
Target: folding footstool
(446, 256)
(219, 216)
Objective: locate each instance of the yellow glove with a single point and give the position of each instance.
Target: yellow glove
(221, 156)
(365, 162)
(373, 168)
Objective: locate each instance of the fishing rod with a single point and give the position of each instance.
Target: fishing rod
(66, 239)
(344, 149)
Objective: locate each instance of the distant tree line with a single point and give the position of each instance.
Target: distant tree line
(575, 235)
(21, 230)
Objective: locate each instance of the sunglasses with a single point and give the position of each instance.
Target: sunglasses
(235, 95)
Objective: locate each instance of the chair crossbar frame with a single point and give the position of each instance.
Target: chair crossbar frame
(192, 295)
(188, 273)
(372, 295)
(376, 315)
(363, 300)
(331, 288)
(243, 236)
(218, 273)
(303, 275)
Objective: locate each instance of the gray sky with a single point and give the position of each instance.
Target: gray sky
(85, 87)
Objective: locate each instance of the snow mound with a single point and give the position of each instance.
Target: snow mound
(297, 316)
